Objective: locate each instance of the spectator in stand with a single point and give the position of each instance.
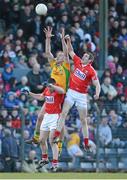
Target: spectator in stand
(30, 165)
(9, 151)
(16, 121)
(7, 74)
(34, 79)
(10, 101)
(105, 74)
(107, 88)
(110, 102)
(122, 104)
(111, 64)
(4, 116)
(118, 77)
(23, 82)
(105, 133)
(123, 54)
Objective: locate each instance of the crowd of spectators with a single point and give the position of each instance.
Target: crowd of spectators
(22, 47)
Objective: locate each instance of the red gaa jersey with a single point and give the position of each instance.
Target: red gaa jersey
(82, 76)
(53, 101)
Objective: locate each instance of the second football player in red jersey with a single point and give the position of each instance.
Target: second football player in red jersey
(54, 97)
(80, 80)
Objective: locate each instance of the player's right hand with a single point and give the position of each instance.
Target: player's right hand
(48, 32)
(67, 37)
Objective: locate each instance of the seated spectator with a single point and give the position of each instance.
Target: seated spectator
(111, 64)
(122, 104)
(73, 146)
(10, 101)
(107, 88)
(4, 116)
(30, 164)
(110, 103)
(118, 76)
(105, 74)
(16, 121)
(105, 133)
(9, 151)
(7, 74)
(113, 116)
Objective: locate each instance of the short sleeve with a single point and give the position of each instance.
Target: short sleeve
(94, 75)
(66, 65)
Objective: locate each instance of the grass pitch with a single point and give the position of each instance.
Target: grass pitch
(62, 175)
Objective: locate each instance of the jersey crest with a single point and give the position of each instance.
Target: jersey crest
(79, 74)
(49, 99)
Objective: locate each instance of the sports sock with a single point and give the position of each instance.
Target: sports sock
(45, 157)
(60, 144)
(54, 162)
(86, 141)
(36, 135)
(56, 133)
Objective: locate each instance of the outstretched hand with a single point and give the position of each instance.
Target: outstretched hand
(67, 38)
(48, 32)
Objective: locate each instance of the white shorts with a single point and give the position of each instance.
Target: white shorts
(77, 98)
(73, 150)
(49, 122)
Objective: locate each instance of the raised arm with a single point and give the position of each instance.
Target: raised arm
(69, 46)
(48, 34)
(64, 46)
(96, 83)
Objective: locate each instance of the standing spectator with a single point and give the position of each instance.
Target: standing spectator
(9, 151)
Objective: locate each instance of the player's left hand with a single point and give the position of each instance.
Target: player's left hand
(96, 97)
(25, 90)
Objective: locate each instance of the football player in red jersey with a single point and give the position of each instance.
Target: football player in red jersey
(54, 97)
(80, 79)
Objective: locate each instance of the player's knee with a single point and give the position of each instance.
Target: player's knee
(42, 140)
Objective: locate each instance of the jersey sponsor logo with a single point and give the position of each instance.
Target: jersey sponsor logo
(49, 99)
(79, 74)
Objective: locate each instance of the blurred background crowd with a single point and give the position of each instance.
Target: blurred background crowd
(23, 63)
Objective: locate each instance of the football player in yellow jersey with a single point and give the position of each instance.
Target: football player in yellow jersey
(60, 71)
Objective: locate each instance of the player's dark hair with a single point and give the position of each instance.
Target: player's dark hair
(91, 56)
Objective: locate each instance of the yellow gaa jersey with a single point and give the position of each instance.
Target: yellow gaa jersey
(74, 139)
(60, 73)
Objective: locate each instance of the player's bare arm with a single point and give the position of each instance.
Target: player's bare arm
(69, 46)
(64, 46)
(37, 96)
(96, 83)
(48, 34)
(59, 89)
